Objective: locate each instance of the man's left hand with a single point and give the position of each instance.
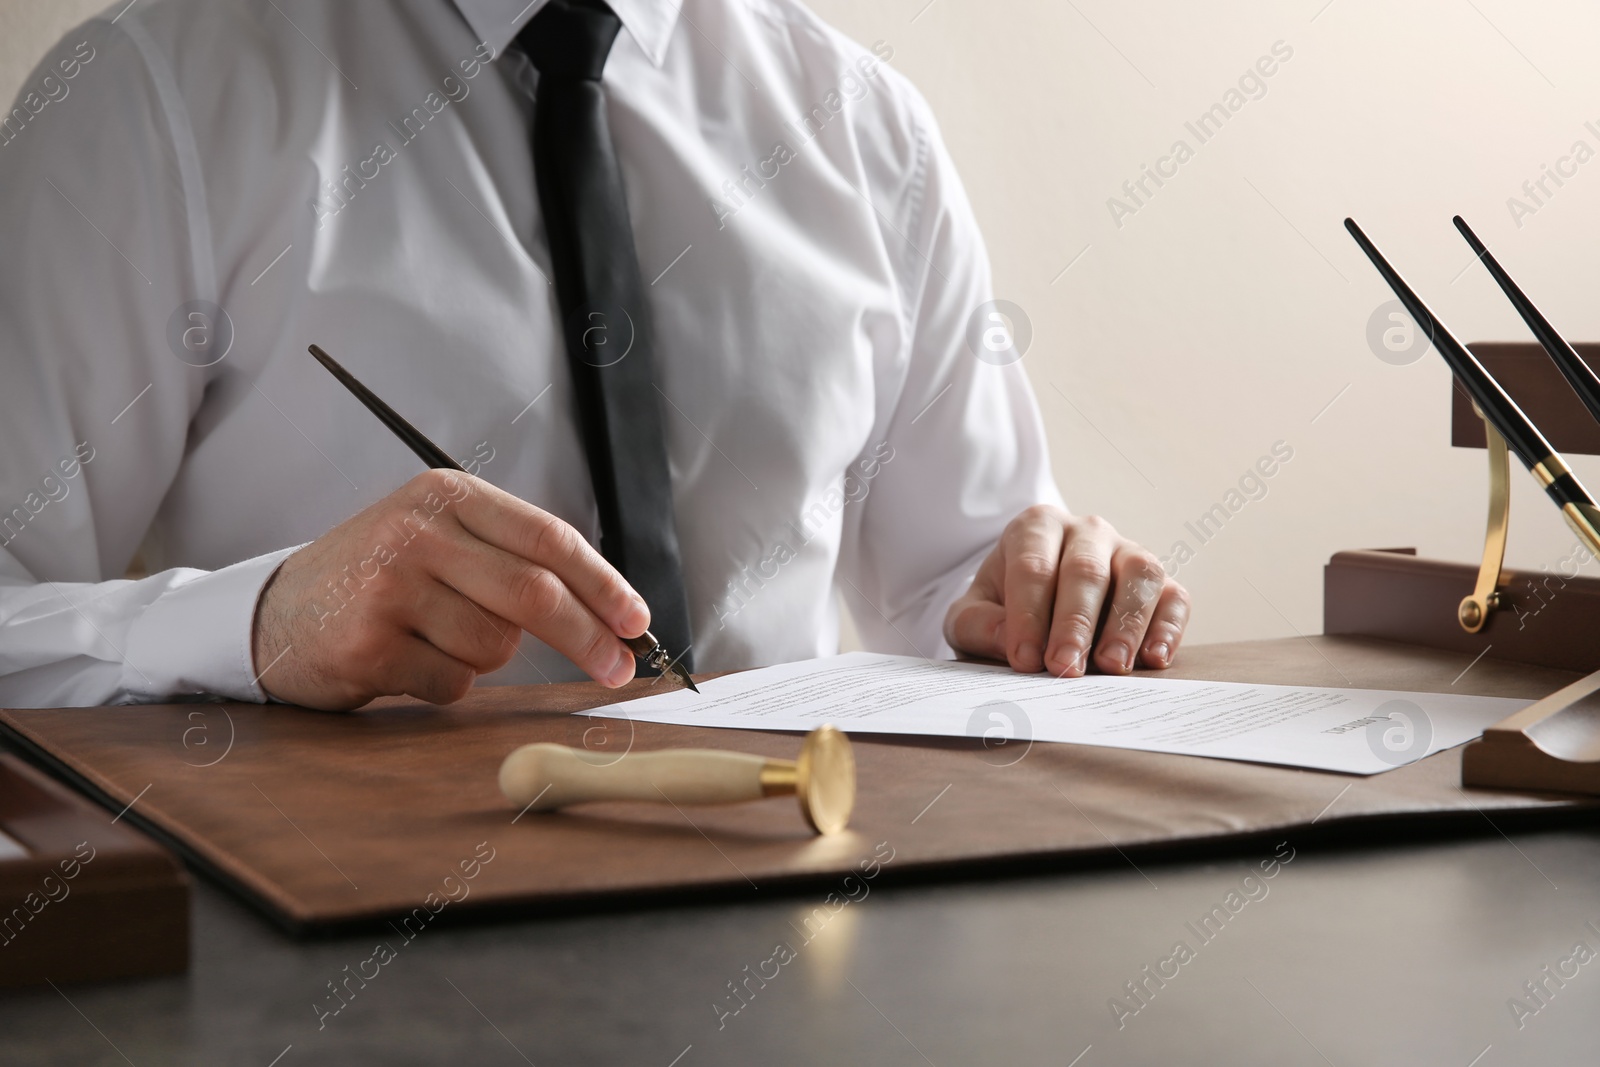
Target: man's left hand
(1042, 594)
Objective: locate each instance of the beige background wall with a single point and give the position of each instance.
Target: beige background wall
(1230, 309)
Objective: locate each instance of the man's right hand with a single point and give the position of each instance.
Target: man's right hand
(431, 587)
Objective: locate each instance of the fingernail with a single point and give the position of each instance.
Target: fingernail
(1122, 656)
(637, 618)
(1028, 655)
(622, 669)
(1161, 652)
(1061, 661)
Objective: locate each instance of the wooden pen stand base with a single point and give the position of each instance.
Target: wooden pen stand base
(82, 896)
(1548, 618)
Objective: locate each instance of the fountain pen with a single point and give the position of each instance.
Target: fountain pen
(645, 646)
(1521, 435)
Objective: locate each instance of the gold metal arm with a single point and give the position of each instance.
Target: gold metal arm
(1486, 596)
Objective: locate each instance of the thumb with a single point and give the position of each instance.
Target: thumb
(976, 625)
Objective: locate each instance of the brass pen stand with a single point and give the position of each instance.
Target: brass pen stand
(1548, 617)
(1553, 744)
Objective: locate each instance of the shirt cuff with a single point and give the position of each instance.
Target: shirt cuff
(196, 637)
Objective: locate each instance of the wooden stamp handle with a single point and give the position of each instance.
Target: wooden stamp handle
(544, 777)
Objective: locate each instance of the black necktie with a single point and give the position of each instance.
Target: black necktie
(606, 323)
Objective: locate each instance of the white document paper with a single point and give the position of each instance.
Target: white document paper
(1357, 731)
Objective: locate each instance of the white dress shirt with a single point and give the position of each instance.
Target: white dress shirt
(357, 174)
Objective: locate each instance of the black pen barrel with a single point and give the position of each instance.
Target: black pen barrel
(1520, 433)
(1523, 438)
(1583, 380)
(426, 450)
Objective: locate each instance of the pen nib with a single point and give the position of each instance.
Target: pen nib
(683, 676)
(647, 648)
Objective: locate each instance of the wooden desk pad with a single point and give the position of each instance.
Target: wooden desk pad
(324, 820)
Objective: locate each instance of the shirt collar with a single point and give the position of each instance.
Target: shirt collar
(649, 22)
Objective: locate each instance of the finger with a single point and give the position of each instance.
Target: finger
(408, 664)
(977, 627)
(1080, 593)
(536, 599)
(1166, 627)
(976, 622)
(1032, 547)
(456, 626)
(516, 526)
(1138, 581)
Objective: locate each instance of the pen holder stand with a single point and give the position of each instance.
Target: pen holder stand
(1539, 389)
(1551, 746)
(1548, 617)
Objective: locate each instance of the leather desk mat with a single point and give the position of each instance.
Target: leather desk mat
(324, 820)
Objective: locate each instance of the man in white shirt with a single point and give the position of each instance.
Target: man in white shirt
(194, 192)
